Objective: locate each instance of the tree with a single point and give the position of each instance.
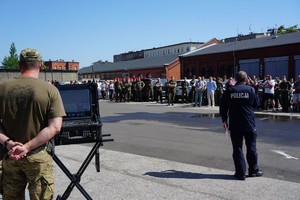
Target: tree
(11, 61)
(291, 29)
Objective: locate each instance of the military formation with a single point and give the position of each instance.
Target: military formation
(275, 94)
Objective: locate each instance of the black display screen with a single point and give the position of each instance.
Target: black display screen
(77, 102)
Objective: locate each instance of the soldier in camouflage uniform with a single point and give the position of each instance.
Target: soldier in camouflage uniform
(118, 89)
(127, 90)
(133, 89)
(139, 89)
(151, 90)
(37, 109)
(184, 86)
(171, 91)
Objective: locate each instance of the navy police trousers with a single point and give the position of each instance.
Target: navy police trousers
(238, 156)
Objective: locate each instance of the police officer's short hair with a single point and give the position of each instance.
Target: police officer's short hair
(241, 76)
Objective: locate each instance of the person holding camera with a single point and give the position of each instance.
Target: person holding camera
(31, 112)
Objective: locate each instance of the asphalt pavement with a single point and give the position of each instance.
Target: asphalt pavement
(129, 177)
(134, 177)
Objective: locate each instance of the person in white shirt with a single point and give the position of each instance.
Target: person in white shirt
(269, 92)
(211, 86)
(111, 87)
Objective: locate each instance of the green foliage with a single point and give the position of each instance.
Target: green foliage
(291, 29)
(11, 61)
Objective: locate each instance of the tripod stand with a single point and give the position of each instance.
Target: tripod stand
(81, 125)
(75, 178)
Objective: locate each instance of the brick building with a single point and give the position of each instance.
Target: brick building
(180, 48)
(274, 55)
(161, 66)
(159, 62)
(259, 56)
(62, 65)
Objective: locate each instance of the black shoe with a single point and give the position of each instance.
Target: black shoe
(240, 177)
(256, 174)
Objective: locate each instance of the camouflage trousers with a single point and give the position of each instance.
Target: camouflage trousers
(36, 170)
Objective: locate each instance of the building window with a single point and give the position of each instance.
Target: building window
(188, 49)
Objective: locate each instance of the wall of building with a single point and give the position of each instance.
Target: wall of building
(208, 65)
(129, 56)
(172, 49)
(228, 63)
(62, 65)
(59, 76)
(158, 72)
(246, 37)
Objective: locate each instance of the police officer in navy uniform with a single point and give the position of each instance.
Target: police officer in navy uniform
(238, 103)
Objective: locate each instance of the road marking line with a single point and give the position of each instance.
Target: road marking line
(262, 119)
(285, 154)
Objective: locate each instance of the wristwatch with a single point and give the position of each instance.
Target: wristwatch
(5, 143)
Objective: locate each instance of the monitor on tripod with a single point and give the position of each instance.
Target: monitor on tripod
(77, 102)
(82, 123)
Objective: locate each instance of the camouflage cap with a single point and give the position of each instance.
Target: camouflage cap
(30, 55)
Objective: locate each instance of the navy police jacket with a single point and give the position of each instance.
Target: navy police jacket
(238, 102)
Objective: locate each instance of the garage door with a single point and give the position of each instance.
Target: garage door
(276, 66)
(250, 66)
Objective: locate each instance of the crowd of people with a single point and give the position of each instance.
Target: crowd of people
(274, 94)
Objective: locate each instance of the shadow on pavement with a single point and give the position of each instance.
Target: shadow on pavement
(188, 175)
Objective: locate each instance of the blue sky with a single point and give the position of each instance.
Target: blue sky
(92, 30)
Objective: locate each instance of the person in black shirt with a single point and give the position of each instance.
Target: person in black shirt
(285, 88)
(238, 103)
(184, 88)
